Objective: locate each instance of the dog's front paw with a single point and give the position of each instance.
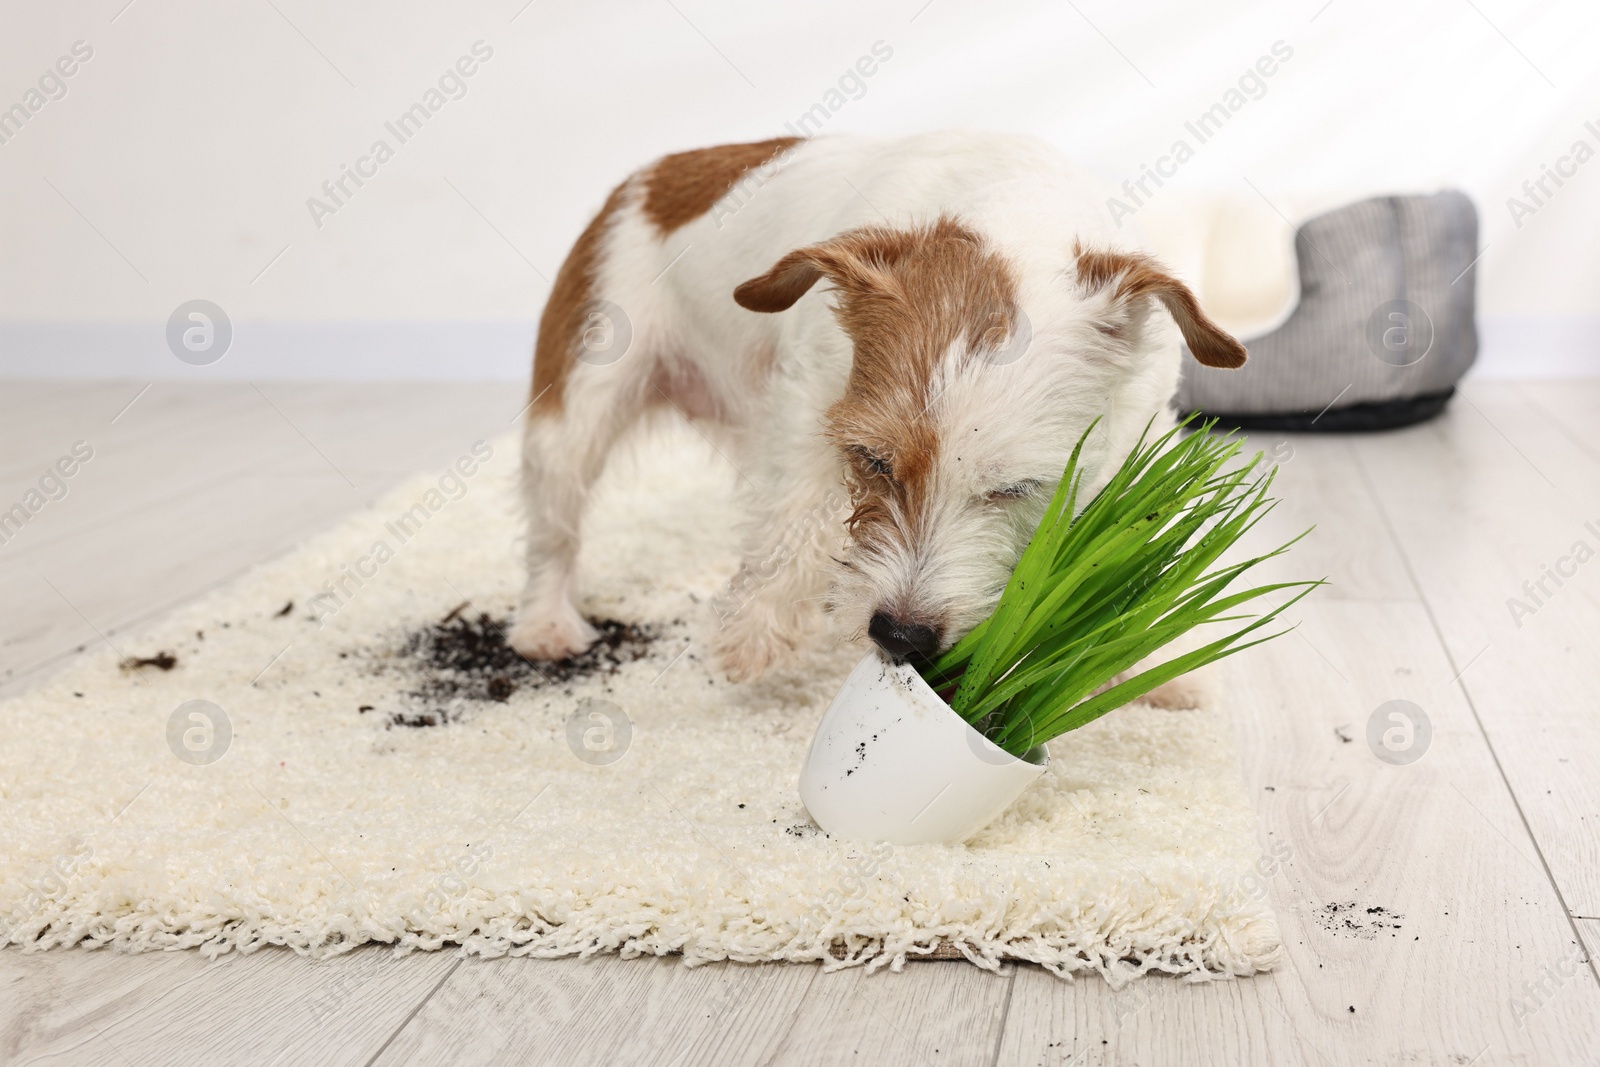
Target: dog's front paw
(748, 652)
(541, 637)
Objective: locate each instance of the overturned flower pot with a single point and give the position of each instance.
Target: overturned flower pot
(891, 762)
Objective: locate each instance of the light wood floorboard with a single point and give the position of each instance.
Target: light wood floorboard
(1484, 504)
(270, 1007)
(604, 1010)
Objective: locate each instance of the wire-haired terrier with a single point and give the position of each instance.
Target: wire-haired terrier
(980, 310)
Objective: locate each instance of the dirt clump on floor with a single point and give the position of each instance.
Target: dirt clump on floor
(161, 660)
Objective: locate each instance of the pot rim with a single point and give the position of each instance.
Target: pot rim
(1038, 755)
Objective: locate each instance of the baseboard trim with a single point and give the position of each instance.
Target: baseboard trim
(1510, 346)
(432, 350)
(1538, 346)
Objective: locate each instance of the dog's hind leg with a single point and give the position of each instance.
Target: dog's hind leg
(563, 452)
(588, 391)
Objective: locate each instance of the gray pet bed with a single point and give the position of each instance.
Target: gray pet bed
(1382, 331)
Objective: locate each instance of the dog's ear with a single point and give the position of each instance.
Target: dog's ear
(856, 260)
(1132, 276)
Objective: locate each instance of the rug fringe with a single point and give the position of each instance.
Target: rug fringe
(1064, 956)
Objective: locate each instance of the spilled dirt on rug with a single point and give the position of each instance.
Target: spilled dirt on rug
(464, 660)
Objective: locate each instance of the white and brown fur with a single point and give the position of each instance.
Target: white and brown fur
(977, 309)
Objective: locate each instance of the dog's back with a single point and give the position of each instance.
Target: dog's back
(676, 238)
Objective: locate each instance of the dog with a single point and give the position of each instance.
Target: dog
(917, 330)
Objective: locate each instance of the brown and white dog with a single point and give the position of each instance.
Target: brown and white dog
(980, 308)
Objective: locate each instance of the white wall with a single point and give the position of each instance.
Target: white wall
(179, 163)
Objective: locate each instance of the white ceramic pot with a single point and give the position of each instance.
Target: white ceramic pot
(891, 762)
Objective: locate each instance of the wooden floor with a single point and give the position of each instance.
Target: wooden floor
(1433, 912)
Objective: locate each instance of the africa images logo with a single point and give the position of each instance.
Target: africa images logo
(452, 85)
(1252, 85)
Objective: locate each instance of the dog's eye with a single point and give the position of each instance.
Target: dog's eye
(1014, 491)
(873, 463)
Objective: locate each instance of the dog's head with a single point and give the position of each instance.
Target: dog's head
(961, 409)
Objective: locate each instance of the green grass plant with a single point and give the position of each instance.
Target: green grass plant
(1100, 589)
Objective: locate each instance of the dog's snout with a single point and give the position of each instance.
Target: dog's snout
(900, 639)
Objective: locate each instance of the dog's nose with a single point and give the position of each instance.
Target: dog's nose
(900, 639)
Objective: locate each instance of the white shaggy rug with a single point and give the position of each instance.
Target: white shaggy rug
(291, 816)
